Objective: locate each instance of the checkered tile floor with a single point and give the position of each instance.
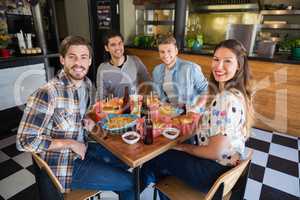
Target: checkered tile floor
(274, 173)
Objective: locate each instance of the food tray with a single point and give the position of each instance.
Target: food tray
(171, 111)
(128, 127)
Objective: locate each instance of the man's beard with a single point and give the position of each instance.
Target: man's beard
(80, 76)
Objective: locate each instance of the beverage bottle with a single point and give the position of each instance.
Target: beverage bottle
(144, 109)
(148, 128)
(184, 109)
(126, 106)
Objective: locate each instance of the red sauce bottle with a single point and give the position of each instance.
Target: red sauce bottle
(148, 131)
(126, 106)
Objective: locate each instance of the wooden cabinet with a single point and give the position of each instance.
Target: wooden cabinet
(276, 85)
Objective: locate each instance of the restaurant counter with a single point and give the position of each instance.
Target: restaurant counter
(276, 85)
(16, 61)
(278, 57)
(19, 77)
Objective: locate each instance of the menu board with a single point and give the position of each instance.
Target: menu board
(104, 15)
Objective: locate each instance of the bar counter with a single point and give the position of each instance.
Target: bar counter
(276, 83)
(16, 61)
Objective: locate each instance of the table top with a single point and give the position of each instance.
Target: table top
(136, 154)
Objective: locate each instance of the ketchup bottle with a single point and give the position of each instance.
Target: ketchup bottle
(144, 109)
(148, 131)
(126, 106)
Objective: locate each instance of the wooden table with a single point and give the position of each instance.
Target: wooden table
(136, 154)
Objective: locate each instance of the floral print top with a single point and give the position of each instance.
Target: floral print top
(226, 115)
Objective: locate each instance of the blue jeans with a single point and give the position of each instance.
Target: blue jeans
(100, 170)
(197, 172)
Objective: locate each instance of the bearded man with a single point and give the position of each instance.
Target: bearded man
(52, 127)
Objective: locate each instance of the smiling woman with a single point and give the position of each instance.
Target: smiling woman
(224, 65)
(223, 130)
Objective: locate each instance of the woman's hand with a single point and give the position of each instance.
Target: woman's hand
(234, 159)
(179, 147)
(200, 103)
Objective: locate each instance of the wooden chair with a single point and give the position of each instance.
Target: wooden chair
(56, 192)
(230, 185)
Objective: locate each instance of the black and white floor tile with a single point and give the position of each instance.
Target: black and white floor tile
(274, 173)
(275, 167)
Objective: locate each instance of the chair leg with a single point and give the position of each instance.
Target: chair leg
(155, 194)
(219, 193)
(98, 196)
(46, 188)
(238, 190)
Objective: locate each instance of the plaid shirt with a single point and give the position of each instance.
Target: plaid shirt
(52, 112)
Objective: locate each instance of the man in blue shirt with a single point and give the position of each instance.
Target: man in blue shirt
(178, 81)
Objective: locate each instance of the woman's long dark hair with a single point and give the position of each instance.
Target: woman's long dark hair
(241, 79)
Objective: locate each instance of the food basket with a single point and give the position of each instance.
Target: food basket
(118, 123)
(186, 123)
(165, 113)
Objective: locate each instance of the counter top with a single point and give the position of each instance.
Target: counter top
(278, 58)
(15, 61)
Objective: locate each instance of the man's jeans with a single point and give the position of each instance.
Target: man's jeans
(100, 170)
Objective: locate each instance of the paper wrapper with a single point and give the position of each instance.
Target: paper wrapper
(184, 126)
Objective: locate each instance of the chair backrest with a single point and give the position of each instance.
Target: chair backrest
(43, 165)
(229, 178)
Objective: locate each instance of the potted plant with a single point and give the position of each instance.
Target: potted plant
(296, 49)
(4, 41)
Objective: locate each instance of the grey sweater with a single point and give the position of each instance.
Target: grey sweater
(111, 80)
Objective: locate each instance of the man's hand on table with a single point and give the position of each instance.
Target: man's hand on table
(88, 123)
(79, 148)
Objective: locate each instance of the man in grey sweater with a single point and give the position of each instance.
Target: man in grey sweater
(120, 71)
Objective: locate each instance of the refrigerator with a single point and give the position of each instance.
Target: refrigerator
(104, 16)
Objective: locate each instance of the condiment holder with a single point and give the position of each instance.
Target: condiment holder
(171, 133)
(131, 137)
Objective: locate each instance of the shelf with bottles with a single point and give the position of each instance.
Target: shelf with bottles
(281, 26)
(154, 19)
(284, 19)
(280, 12)
(161, 23)
(210, 8)
(161, 6)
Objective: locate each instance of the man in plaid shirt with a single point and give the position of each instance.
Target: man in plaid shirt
(52, 127)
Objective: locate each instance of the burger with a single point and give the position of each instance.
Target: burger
(176, 121)
(184, 119)
(112, 106)
(167, 110)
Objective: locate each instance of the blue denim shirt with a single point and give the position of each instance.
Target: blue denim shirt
(188, 79)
